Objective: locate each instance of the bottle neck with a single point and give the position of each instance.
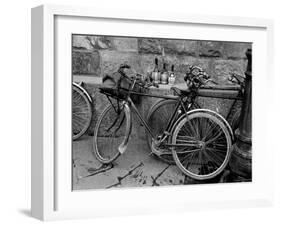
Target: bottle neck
(156, 65)
(164, 67)
(156, 68)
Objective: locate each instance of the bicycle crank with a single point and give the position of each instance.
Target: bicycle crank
(158, 148)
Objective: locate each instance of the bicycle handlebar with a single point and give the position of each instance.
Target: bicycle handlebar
(124, 66)
(236, 78)
(211, 80)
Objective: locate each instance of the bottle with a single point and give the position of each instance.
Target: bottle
(172, 77)
(164, 75)
(155, 73)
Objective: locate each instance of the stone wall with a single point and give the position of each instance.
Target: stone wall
(100, 55)
(96, 56)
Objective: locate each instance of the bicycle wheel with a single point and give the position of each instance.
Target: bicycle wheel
(81, 111)
(204, 145)
(112, 133)
(158, 117)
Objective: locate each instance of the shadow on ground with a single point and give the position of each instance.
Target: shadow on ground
(135, 168)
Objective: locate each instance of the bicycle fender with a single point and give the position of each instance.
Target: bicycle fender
(122, 147)
(222, 118)
(84, 91)
(210, 112)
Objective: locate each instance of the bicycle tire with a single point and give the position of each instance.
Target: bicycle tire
(81, 111)
(214, 163)
(112, 126)
(157, 121)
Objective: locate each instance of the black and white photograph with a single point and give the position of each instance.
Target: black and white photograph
(156, 112)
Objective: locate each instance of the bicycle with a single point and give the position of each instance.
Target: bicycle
(161, 110)
(81, 111)
(200, 140)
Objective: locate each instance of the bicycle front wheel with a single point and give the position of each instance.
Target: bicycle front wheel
(202, 145)
(112, 133)
(81, 112)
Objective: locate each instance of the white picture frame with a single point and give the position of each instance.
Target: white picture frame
(52, 197)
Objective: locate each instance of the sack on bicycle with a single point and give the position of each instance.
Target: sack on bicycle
(118, 84)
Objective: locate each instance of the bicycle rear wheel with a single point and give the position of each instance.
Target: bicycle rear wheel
(81, 111)
(204, 145)
(112, 133)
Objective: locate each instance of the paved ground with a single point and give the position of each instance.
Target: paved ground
(135, 168)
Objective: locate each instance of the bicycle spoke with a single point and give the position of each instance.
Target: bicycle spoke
(194, 164)
(204, 127)
(182, 137)
(212, 160)
(113, 124)
(81, 112)
(186, 142)
(195, 126)
(183, 151)
(86, 111)
(211, 140)
(79, 117)
(216, 153)
(200, 162)
(217, 156)
(188, 131)
(79, 123)
(209, 128)
(210, 131)
(185, 160)
(193, 132)
(209, 162)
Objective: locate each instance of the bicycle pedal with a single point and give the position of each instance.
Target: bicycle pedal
(156, 143)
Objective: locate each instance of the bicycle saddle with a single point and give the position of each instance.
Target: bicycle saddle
(180, 92)
(107, 90)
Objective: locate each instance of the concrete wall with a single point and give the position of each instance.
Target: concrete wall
(96, 56)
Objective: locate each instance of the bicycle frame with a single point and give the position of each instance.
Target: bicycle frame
(171, 120)
(220, 93)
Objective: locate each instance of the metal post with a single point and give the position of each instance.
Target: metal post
(241, 159)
